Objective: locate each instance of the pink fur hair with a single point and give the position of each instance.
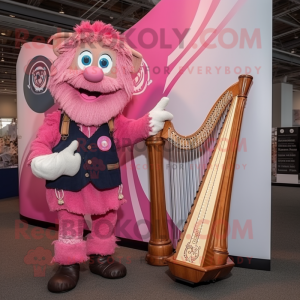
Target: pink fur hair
(96, 32)
(64, 83)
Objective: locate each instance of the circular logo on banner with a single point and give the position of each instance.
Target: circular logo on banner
(291, 130)
(281, 130)
(35, 85)
(142, 79)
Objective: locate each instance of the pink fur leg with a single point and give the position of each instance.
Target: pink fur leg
(102, 240)
(70, 225)
(101, 246)
(68, 254)
(70, 247)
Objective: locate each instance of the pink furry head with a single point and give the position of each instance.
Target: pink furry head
(91, 78)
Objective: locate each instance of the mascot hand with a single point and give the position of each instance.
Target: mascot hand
(158, 116)
(52, 166)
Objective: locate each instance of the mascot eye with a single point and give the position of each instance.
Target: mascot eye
(105, 63)
(85, 59)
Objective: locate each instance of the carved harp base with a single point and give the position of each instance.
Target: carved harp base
(157, 254)
(195, 274)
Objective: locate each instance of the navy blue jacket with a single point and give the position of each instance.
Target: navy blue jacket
(93, 162)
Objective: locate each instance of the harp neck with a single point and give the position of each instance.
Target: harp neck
(239, 89)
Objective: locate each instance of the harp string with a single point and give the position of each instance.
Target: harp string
(172, 180)
(188, 165)
(208, 192)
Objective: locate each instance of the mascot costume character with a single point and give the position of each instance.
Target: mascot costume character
(75, 150)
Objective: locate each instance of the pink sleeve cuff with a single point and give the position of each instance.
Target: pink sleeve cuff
(130, 132)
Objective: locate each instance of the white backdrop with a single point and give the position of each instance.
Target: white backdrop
(193, 96)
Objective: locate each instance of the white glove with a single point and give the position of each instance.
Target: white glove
(158, 116)
(52, 166)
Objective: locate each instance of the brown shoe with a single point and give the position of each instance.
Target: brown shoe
(106, 267)
(65, 279)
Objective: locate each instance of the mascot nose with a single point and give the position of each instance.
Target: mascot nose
(93, 74)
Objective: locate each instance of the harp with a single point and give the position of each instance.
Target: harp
(201, 187)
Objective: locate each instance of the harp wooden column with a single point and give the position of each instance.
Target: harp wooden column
(160, 246)
(225, 189)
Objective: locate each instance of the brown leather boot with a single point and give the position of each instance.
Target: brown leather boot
(65, 278)
(106, 267)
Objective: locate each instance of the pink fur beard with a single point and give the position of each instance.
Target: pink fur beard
(64, 88)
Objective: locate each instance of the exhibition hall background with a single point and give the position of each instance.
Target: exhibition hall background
(217, 29)
(187, 93)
